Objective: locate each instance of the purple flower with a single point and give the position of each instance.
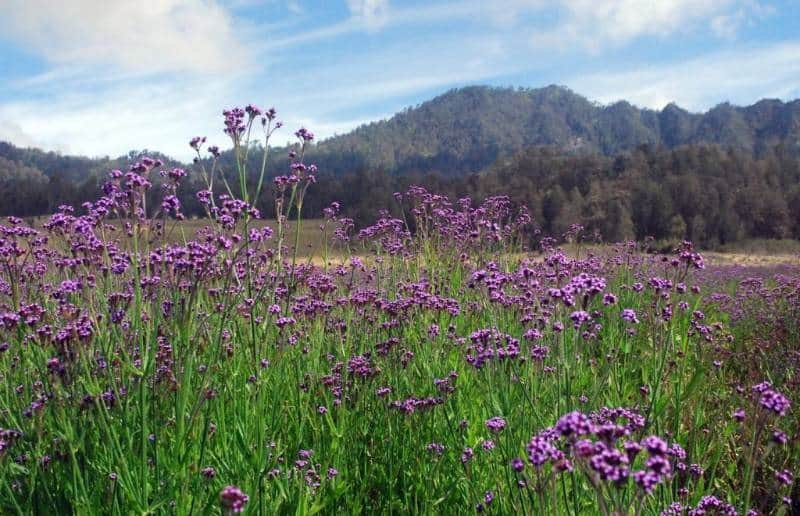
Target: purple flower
(646, 480)
(630, 316)
(774, 401)
(712, 505)
(540, 451)
(785, 477)
(496, 424)
(574, 423)
(610, 463)
(304, 134)
(233, 499)
(435, 448)
(196, 142)
(655, 445)
(579, 317)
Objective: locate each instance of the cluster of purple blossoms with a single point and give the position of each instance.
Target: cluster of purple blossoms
(708, 505)
(7, 439)
(496, 424)
(629, 315)
(389, 233)
(234, 122)
(688, 256)
(362, 366)
(233, 499)
(784, 477)
(488, 498)
(579, 317)
(599, 443)
(584, 286)
(412, 404)
(435, 448)
(197, 142)
(489, 345)
(772, 400)
(304, 134)
(541, 450)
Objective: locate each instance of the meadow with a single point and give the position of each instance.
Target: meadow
(469, 365)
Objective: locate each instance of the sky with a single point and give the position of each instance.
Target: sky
(103, 77)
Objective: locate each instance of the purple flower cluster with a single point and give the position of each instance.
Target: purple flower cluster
(708, 505)
(599, 443)
(412, 404)
(771, 400)
(491, 345)
(496, 424)
(233, 499)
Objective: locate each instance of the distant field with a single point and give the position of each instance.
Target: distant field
(311, 237)
(750, 252)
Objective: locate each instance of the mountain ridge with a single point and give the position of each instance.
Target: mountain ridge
(464, 130)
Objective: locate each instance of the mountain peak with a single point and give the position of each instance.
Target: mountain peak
(463, 130)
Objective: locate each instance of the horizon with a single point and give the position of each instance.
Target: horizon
(92, 81)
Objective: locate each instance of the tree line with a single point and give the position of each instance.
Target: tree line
(706, 193)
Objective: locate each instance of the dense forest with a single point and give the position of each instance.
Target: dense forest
(701, 192)
(726, 175)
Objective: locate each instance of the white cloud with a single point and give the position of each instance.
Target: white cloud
(377, 14)
(728, 25)
(743, 76)
(597, 24)
(592, 25)
(143, 37)
(294, 7)
(123, 74)
(158, 114)
(373, 14)
(367, 80)
(11, 131)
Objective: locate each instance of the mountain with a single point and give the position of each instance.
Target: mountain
(465, 130)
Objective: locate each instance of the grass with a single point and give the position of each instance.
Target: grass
(193, 390)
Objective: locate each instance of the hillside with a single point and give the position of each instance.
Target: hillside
(467, 129)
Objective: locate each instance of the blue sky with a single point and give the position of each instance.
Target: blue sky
(100, 77)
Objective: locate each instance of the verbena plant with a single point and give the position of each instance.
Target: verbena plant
(444, 368)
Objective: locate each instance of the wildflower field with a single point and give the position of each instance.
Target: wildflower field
(445, 360)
